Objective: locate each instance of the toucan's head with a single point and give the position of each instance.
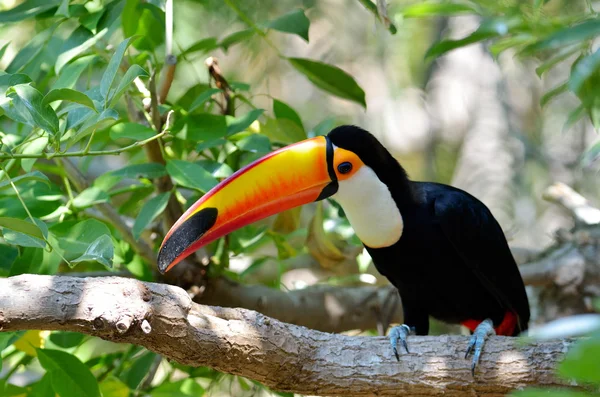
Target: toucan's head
(349, 163)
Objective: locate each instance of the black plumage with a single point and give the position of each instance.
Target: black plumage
(452, 261)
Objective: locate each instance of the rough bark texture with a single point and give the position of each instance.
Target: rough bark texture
(285, 357)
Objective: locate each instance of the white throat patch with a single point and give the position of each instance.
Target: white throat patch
(370, 208)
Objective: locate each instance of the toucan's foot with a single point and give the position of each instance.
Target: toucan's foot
(483, 330)
(400, 333)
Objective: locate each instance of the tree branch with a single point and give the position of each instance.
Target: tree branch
(284, 357)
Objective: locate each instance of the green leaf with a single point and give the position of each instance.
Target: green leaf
(573, 34)
(204, 127)
(210, 144)
(75, 239)
(294, 22)
(283, 111)
(90, 196)
(80, 41)
(429, 8)
(256, 143)
(67, 94)
(239, 124)
(43, 115)
(31, 176)
(236, 38)
(27, 9)
(153, 208)
(216, 169)
(139, 370)
(63, 9)
(132, 73)
(9, 80)
(582, 363)
(10, 390)
(560, 56)
(70, 74)
(35, 146)
(553, 93)
(191, 175)
(101, 250)
(331, 79)
(113, 387)
(32, 51)
(283, 131)
(69, 376)
(135, 131)
(21, 226)
(43, 388)
(110, 73)
(487, 29)
(145, 170)
(66, 339)
(582, 70)
(95, 122)
(183, 388)
(3, 49)
(200, 99)
(203, 45)
(145, 20)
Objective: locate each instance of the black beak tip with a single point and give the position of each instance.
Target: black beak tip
(184, 236)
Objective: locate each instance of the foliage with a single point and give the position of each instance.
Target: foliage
(86, 143)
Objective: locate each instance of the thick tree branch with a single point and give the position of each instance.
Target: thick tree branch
(284, 357)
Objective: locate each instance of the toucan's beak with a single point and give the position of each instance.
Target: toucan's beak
(289, 177)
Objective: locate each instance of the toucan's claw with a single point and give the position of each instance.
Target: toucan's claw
(399, 333)
(482, 332)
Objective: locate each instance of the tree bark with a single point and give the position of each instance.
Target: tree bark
(282, 356)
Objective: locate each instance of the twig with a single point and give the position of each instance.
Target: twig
(215, 73)
(577, 205)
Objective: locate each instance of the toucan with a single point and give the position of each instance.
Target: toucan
(438, 245)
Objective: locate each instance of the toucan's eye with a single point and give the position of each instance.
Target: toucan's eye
(345, 167)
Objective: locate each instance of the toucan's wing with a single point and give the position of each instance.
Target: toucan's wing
(479, 240)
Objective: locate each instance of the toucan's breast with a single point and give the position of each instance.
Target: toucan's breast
(370, 208)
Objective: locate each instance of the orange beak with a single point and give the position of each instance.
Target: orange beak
(289, 177)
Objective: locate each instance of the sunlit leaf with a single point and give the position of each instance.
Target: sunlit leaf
(31, 176)
(21, 226)
(10, 390)
(43, 388)
(218, 170)
(75, 239)
(110, 73)
(135, 131)
(430, 8)
(70, 73)
(43, 115)
(572, 34)
(182, 388)
(331, 79)
(553, 93)
(101, 250)
(69, 376)
(294, 22)
(27, 9)
(132, 73)
(191, 175)
(79, 41)
(283, 130)
(113, 387)
(238, 124)
(145, 20)
(489, 28)
(90, 196)
(582, 363)
(67, 94)
(30, 341)
(151, 209)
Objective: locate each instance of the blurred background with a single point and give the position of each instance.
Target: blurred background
(478, 117)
